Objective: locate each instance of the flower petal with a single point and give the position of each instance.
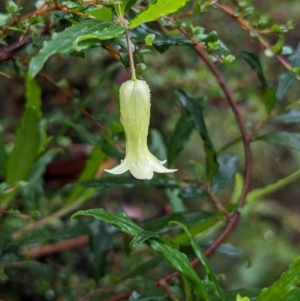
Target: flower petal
(121, 168)
(141, 171)
(156, 165)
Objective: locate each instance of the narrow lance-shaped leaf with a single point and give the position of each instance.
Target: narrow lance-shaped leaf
(157, 9)
(175, 258)
(63, 42)
(89, 172)
(3, 156)
(28, 138)
(99, 232)
(271, 188)
(180, 262)
(269, 93)
(287, 79)
(287, 139)
(121, 221)
(26, 147)
(194, 110)
(293, 116)
(179, 137)
(201, 256)
(286, 283)
(227, 169)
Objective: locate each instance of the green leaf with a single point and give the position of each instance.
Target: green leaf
(187, 287)
(238, 188)
(286, 283)
(33, 192)
(231, 251)
(89, 172)
(293, 116)
(143, 268)
(182, 239)
(161, 225)
(171, 40)
(194, 111)
(162, 42)
(157, 146)
(120, 221)
(175, 258)
(28, 138)
(103, 13)
(179, 137)
(63, 42)
(149, 39)
(157, 9)
(227, 169)
(12, 7)
(287, 78)
(269, 93)
(254, 63)
(192, 192)
(287, 139)
(180, 262)
(109, 181)
(99, 232)
(271, 188)
(204, 261)
(175, 200)
(142, 237)
(3, 156)
(146, 235)
(292, 295)
(269, 97)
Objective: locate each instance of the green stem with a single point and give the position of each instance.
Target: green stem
(133, 76)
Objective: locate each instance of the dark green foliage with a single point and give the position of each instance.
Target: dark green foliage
(194, 110)
(269, 93)
(68, 41)
(180, 137)
(291, 140)
(227, 218)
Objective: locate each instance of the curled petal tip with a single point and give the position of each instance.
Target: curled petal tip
(118, 169)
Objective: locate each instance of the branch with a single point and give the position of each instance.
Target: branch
(245, 25)
(234, 107)
(56, 247)
(246, 138)
(7, 52)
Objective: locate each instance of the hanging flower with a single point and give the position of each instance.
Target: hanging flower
(135, 116)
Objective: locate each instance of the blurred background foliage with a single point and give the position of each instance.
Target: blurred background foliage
(86, 259)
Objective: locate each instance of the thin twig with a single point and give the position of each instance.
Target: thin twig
(16, 214)
(245, 25)
(56, 247)
(48, 218)
(8, 51)
(217, 202)
(119, 297)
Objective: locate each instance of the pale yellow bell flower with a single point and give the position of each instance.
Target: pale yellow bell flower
(135, 116)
